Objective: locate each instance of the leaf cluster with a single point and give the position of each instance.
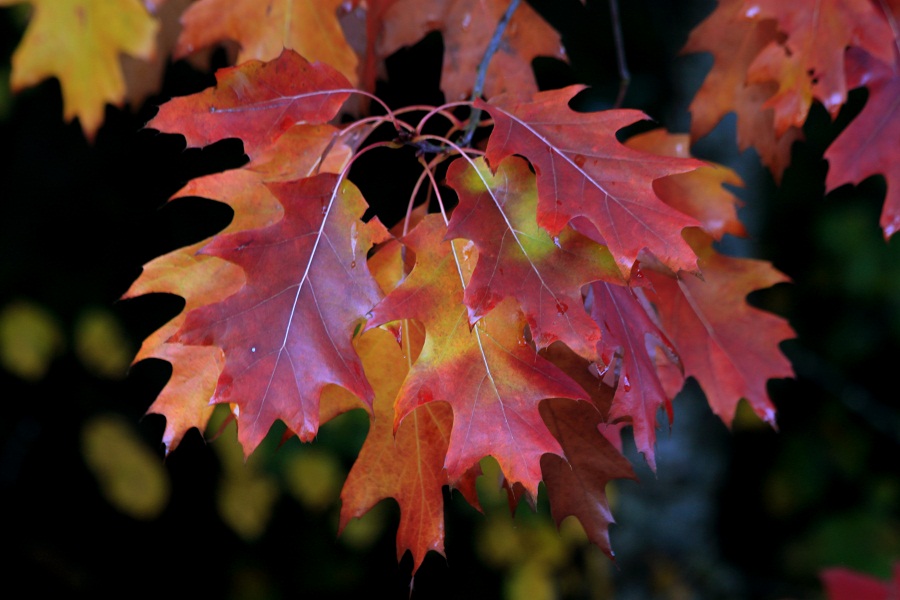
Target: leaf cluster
(548, 284)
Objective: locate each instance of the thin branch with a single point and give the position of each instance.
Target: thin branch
(475, 115)
(624, 74)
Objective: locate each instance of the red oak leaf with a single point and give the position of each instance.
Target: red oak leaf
(516, 258)
(844, 584)
(467, 27)
(809, 63)
(256, 102)
(735, 41)
(583, 170)
(202, 279)
(730, 347)
(490, 375)
(408, 466)
(868, 146)
(630, 333)
(577, 487)
(287, 333)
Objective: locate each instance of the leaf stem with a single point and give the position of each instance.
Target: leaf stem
(426, 168)
(624, 74)
(475, 115)
(430, 111)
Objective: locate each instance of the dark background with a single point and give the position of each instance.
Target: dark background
(747, 513)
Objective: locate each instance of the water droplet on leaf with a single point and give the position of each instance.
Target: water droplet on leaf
(561, 308)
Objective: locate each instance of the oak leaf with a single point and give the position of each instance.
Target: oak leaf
(467, 27)
(80, 42)
(728, 346)
(809, 63)
(518, 259)
(577, 486)
(202, 279)
(630, 334)
(256, 102)
(868, 145)
(489, 373)
(583, 170)
(735, 41)
(408, 466)
(700, 193)
(845, 584)
(263, 29)
(287, 333)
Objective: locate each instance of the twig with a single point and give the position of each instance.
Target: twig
(624, 75)
(475, 115)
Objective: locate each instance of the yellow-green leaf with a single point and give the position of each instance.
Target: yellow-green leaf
(79, 43)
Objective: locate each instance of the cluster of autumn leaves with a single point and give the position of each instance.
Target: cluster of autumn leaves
(569, 293)
(774, 59)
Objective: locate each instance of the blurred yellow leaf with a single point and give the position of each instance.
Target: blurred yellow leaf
(314, 478)
(101, 344)
(79, 42)
(246, 495)
(532, 581)
(245, 501)
(362, 532)
(130, 475)
(29, 339)
(499, 542)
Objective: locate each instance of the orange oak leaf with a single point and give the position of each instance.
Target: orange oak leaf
(491, 376)
(264, 29)
(467, 27)
(728, 346)
(287, 333)
(184, 401)
(868, 146)
(518, 259)
(577, 486)
(80, 42)
(701, 193)
(809, 63)
(408, 466)
(583, 170)
(735, 41)
(256, 102)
